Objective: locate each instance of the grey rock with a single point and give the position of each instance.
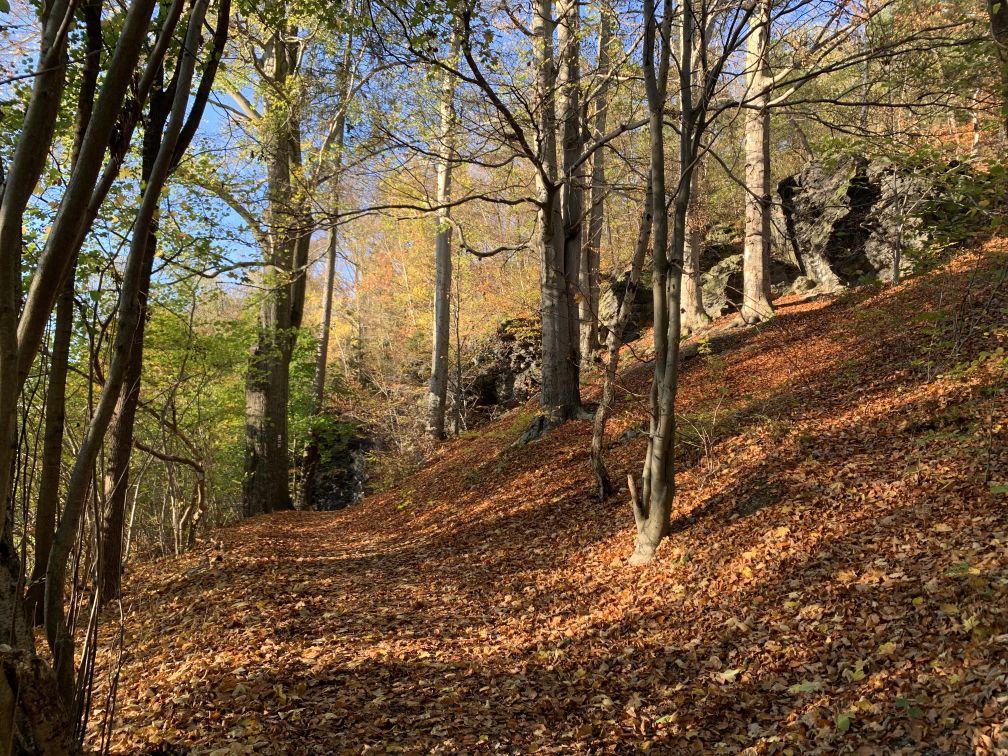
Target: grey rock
(842, 223)
(342, 474)
(634, 431)
(722, 284)
(508, 369)
(611, 299)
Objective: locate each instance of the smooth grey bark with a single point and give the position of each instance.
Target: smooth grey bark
(560, 395)
(437, 393)
(756, 255)
(614, 340)
(652, 505)
(694, 316)
(588, 304)
(60, 641)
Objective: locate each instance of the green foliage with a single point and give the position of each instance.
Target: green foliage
(971, 204)
(334, 436)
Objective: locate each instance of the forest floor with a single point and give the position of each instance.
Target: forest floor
(836, 580)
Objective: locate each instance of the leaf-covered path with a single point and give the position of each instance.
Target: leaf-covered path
(836, 579)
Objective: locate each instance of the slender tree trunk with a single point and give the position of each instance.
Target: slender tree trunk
(55, 412)
(121, 440)
(52, 449)
(614, 341)
(756, 257)
(312, 456)
(121, 427)
(35, 699)
(60, 641)
(694, 316)
(22, 175)
(652, 506)
(437, 395)
(588, 304)
(572, 143)
(310, 461)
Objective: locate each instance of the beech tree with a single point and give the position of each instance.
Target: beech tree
(121, 437)
(437, 396)
(129, 310)
(756, 258)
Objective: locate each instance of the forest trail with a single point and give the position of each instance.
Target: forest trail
(836, 579)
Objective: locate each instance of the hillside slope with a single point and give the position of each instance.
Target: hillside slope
(836, 579)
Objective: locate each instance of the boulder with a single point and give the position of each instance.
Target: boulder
(722, 284)
(842, 223)
(342, 471)
(508, 369)
(611, 299)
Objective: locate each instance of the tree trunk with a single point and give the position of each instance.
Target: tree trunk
(694, 316)
(55, 408)
(998, 11)
(588, 305)
(614, 340)
(60, 641)
(756, 257)
(310, 461)
(560, 395)
(22, 175)
(52, 449)
(572, 144)
(121, 429)
(437, 395)
(267, 387)
(652, 506)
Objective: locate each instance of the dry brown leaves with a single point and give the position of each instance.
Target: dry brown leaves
(836, 580)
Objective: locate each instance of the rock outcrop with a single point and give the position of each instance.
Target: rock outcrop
(845, 223)
(342, 472)
(611, 299)
(835, 224)
(722, 284)
(509, 368)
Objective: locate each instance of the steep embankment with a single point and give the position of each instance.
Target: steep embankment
(836, 579)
